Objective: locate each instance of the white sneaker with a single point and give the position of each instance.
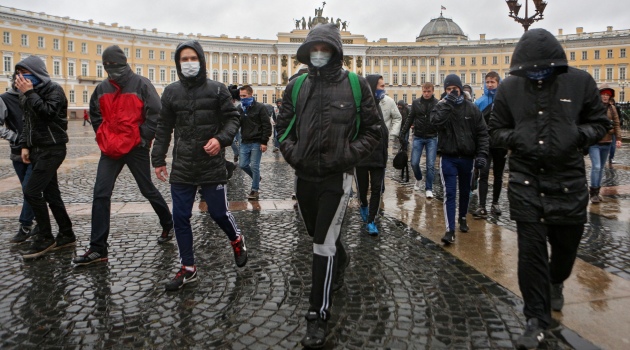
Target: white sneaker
(429, 194)
(416, 186)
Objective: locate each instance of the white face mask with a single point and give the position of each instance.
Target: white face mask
(320, 58)
(190, 69)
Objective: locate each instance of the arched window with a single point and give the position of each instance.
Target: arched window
(254, 77)
(274, 77)
(215, 75)
(244, 77)
(225, 76)
(263, 77)
(234, 77)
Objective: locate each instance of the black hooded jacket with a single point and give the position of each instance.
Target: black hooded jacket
(255, 124)
(545, 124)
(45, 109)
(198, 109)
(378, 158)
(420, 118)
(462, 132)
(320, 143)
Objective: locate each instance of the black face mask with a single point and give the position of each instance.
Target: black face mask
(115, 71)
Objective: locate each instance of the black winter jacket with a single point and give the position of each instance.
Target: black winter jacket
(420, 116)
(378, 158)
(255, 125)
(198, 109)
(45, 109)
(462, 132)
(13, 122)
(545, 124)
(320, 143)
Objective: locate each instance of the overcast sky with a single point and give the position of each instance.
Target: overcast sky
(397, 20)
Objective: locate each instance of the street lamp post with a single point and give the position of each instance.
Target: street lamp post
(527, 20)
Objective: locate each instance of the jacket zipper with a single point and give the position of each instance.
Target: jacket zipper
(319, 139)
(51, 135)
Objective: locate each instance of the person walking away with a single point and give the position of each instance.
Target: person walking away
(545, 113)
(86, 117)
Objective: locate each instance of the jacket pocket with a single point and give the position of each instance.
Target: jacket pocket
(342, 112)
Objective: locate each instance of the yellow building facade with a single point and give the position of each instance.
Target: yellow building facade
(72, 52)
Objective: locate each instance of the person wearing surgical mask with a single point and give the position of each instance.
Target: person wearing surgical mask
(324, 144)
(124, 111)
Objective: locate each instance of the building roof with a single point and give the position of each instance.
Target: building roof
(441, 29)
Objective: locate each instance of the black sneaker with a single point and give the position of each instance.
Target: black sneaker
(90, 257)
(463, 225)
(24, 233)
(480, 213)
(183, 277)
(531, 338)
(339, 280)
(240, 251)
(40, 245)
(166, 235)
(557, 299)
(449, 237)
(494, 209)
(316, 330)
(65, 240)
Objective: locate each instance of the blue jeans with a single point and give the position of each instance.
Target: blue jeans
(599, 155)
(416, 153)
(276, 143)
(23, 172)
(236, 143)
(456, 172)
(249, 161)
(613, 148)
(183, 200)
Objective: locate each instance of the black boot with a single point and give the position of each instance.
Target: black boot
(65, 240)
(594, 193)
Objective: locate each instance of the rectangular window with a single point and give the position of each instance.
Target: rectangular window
(622, 73)
(84, 48)
(609, 53)
(173, 75)
(395, 78)
(126, 51)
(8, 64)
(24, 40)
(463, 78)
(386, 61)
(99, 71)
(40, 42)
(274, 60)
(507, 59)
(376, 62)
(484, 61)
(413, 96)
(70, 69)
(151, 54)
(432, 78)
(395, 97)
(139, 70)
(572, 56)
(99, 49)
(244, 59)
(234, 59)
(56, 68)
(6, 37)
(609, 74)
(473, 78)
(596, 54)
(263, 60)
(432, 62)
(151, 74)
(423, 78)
(70, 46)
(138, 53)
(405, 99)
(254, 59)
(162, 55)
(162, 74)
(264, 98)
(414, 62)
(441, 78)
(423, 61)
(71, 96)
(172, 56)
(452, 61)
(84, 69)
(596, 74)
(473, 61)
(395, 62)
(495, 60)
(442, 61)
(367, 62)
(463, 59)
(584, 55)
(622, 53)
(85, 96)
(404, 62)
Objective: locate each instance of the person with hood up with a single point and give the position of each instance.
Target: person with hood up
(599, 151)
(545, 113)
(462, 144)
(498, 156)
(11, 125)
(200, 113)
(425, 135)
(43, 140)
(370, 172)
(324, 143)
(124, 110)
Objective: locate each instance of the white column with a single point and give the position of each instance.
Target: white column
(259, 60)
(418, 73)
(249, 69)
(428, 72)
(221, 67)
(240, 69)
(268, 69)
(437, 69)
(230, 68)
(364, 69)
(408, 71)
(381, 65)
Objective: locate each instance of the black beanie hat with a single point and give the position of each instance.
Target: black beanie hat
(114, 54)
(453, 80)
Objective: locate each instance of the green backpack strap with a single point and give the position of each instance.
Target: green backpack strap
(356, 92)
(294, 96)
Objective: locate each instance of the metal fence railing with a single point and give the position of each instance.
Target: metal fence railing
(624, 108)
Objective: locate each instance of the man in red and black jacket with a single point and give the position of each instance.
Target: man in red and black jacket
(124, 110)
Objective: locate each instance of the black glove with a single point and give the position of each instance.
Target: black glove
(452, 97)
(480, 162)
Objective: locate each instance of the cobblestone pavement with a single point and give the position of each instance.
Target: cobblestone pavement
(402, 290)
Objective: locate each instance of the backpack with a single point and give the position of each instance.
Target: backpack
(356, 93)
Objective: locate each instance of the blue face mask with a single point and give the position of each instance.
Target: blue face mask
(247, 101)
(539, 74)
(32, 78)
(379, 94)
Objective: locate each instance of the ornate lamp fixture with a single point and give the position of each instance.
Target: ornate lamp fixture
(526, 21)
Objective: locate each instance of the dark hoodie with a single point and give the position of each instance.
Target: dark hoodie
(378, 158)
(197, 109)
(12, 122)
(321, 143)
(45, 108)
(546, 123)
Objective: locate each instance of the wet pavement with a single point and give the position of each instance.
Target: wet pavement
(403, 290)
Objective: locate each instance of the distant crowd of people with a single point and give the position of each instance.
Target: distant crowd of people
(334, 128)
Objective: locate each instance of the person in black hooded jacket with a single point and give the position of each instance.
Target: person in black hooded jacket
(323, 145)
(204, 120)
(545, 113)
(370, 173)
(43, 139)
